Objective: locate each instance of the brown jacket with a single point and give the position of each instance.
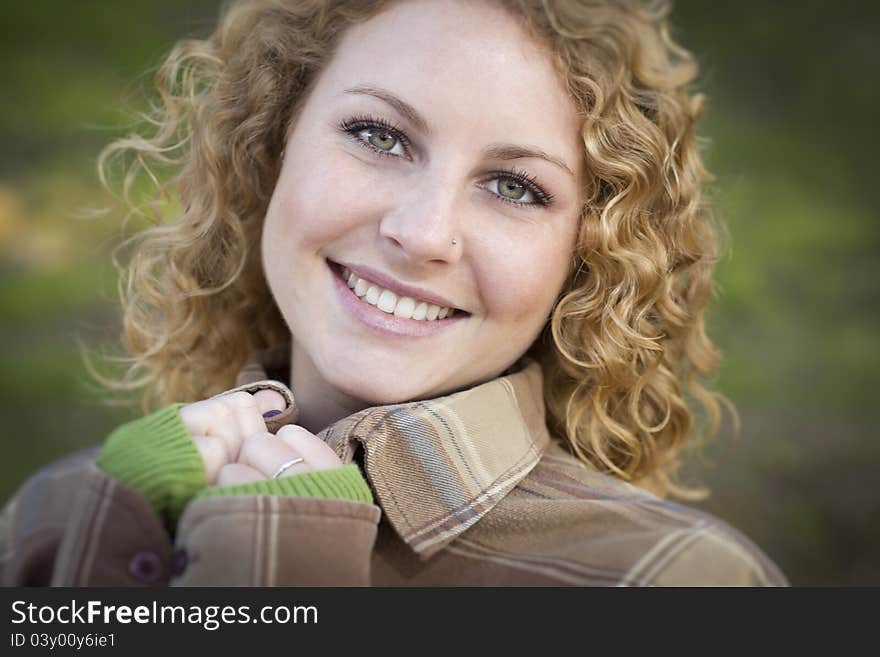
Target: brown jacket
(472, 492)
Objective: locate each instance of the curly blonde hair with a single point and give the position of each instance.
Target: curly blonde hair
(626, 342)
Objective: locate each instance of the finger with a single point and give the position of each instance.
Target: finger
(266, 453)
(315, 451)
(214, 455)
(269, 400)
(212, 417)
(233, 474)
(247, 414)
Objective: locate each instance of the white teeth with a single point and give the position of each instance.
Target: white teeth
(420, 311)
(387, 301)
(361, 287)
(405, 307)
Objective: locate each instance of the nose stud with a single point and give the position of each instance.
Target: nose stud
(453, 241)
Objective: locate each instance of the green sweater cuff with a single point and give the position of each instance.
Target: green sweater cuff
(156, 455)
(346, 482)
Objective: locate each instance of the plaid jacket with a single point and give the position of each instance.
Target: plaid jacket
(471, 491)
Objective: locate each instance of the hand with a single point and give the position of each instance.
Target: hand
(262, 454)
(218, 426)
(230, 434)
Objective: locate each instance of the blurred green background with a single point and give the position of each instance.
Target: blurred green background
(791, 125)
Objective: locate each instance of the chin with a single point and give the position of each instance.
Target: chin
(377, 393)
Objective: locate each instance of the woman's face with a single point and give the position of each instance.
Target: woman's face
(408, 165)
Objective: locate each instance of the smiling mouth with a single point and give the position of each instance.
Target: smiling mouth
(391, 303)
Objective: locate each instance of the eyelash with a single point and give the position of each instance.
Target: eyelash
(352, 126)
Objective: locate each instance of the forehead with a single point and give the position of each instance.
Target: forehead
(465, 66)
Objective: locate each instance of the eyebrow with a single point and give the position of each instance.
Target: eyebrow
(495, 151)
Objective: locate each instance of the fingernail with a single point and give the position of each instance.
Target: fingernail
(271, 413)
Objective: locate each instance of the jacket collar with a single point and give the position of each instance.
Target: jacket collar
(437, 466)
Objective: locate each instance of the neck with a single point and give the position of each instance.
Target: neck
(320, 404)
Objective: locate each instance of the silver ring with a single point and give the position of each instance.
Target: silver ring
(287, 464)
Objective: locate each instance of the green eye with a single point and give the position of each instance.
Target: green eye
(511, 188)
(376, 135)
(383, 140)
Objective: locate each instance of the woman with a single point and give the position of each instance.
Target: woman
(469, 238)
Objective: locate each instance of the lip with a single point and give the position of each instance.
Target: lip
(382, 322)
(400, 289)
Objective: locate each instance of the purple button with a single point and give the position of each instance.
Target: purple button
(145, 567)
(179, 561)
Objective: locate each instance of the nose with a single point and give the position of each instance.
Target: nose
(424, 226)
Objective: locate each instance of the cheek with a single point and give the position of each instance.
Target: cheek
(312, 205)
(523, 286)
